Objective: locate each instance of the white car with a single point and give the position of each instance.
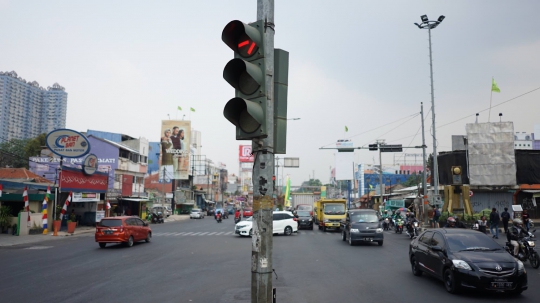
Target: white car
(196, 214)
(284, 222)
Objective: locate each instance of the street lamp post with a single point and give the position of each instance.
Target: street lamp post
(429, 25)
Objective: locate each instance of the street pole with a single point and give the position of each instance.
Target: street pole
(263, 171)
(381, 174)
(435, 172)
(424, 179)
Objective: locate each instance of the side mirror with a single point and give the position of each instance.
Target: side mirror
(436, 248)
(145, 224)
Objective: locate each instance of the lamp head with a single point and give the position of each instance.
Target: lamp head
(500, 114)
(441, 18)
(417, 25)
(424, 18)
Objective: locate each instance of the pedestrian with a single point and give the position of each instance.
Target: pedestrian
(482, 224)
(505, 215)
(494, 220)
(436, 216)
(525, 219)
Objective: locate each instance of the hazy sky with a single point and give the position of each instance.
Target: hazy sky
(126, 65)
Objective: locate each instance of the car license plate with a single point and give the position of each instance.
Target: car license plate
(108, 232)
(501, 285)
(368, 239)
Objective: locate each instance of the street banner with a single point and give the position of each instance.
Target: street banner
(175, 150)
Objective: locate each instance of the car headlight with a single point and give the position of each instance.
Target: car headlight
(531, 243)
(354, 230)
(521, 267)
(379, 230)
(326, 220)
(461, 264)
(310, 220)
(240, 226)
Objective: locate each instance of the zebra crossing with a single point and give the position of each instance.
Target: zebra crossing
(224, 233)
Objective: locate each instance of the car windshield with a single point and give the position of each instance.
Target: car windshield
(364, 218)
(196, 211)
(471, 242)
(304, 207)
(110, 223)
(303, 213)
(334, 209)
(249, 219)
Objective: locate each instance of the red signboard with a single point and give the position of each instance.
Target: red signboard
(245, 154)
(127, 185)
(74, 180)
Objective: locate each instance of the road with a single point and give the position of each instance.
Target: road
(202, 261)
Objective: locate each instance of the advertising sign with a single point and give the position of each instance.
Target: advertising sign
(68, 143)
(90, 164)
(74, 180)
(245, 154)
(85, 197)
(100, 214)
(175, 150)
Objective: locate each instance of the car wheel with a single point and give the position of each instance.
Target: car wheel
(102, 245)
(324, 228)
(414, 266)
(450, 282)
(251, 232)
(129, 243)
(380, 243)
(288, 231)
(319, 226)
(148, 237)
(351, 242)
(343, 236)
(535, 260)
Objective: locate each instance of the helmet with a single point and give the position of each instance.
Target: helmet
(451, 221)
(517, 222)
(385, 211)
(411, 215)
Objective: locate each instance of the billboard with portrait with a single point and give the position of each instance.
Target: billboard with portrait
(174, 150)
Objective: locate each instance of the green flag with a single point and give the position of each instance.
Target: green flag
(179, 108)
(346, 128)
(192, 109)
(494, 87)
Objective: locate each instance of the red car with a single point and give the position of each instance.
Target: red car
(248, 212)
(125, 229)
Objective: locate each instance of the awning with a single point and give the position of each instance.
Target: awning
(532, 191)
(135, 199)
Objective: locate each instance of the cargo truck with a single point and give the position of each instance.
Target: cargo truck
(328, 213)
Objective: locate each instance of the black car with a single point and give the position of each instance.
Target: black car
(304, 219)
(466, 259)
(210, 212)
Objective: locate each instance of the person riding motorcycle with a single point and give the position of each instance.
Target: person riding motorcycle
(516, 232)
(450, 223)
(237, 214)
(384, 216)
(459, 224)
(410, 219)
(218, 216)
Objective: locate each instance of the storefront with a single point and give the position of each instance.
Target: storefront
(131, 207)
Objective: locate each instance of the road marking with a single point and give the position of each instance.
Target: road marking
(211, 234)
(203, 233)
(38, 247)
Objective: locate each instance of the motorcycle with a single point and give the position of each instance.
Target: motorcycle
(157, 218)
(218, 218)
(386, 224)
(526, 250)
(237, 219)
(398, 226)
(412, 230)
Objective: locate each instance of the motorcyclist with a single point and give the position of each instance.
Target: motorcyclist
(237, 215)
(459, 224)
(384, 216)
(516, 232)
(410, 220)
(450, 223)
(218, 215)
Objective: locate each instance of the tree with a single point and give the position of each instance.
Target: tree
(311, 182)
(413, 180)
(34, 146)
(12, 153)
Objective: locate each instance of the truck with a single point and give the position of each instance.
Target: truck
(328, 213)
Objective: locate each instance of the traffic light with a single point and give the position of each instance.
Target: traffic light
(373, 147)
(391, 148)
(456, 175)
(246, 73)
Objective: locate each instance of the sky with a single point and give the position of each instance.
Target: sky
(127, 65)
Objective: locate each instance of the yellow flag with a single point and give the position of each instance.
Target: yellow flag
(494, 87)
(179, 108)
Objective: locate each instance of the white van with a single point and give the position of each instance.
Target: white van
(165, 210)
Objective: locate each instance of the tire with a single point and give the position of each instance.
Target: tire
(414, 267)
(102, 245)
(351, 242)
(148, 237)
(535, 260)
(251, 232)
(324, 228)
(380, 243)
(450, 282)
(288, 231)
(130, 241)
(319, 226)
(343, 236)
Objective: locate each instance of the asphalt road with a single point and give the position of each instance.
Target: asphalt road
(203, 261)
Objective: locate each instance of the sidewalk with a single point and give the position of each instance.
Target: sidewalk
(10, 240)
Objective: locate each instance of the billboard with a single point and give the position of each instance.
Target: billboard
(67, 143)
(245, 154)
(174, 150)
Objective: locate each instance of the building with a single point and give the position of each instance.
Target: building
(523, 140)
(27, 109)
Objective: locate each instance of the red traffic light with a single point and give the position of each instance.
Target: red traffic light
(241, 38)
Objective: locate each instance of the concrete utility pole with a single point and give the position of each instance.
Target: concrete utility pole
(263, 171)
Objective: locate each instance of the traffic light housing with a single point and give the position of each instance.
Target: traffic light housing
(246, 73)
(373, 147)
(386, 148)
(456, 175)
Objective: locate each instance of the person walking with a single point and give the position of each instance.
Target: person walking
(494, 220)
(525, 219)
(505, 216)
(436, 216)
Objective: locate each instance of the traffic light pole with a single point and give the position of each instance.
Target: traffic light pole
(263, 170)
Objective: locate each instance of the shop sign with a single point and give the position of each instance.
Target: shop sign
(100, 214)
(85, 197)
(67, 143)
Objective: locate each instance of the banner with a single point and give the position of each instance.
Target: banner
(175, 150)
